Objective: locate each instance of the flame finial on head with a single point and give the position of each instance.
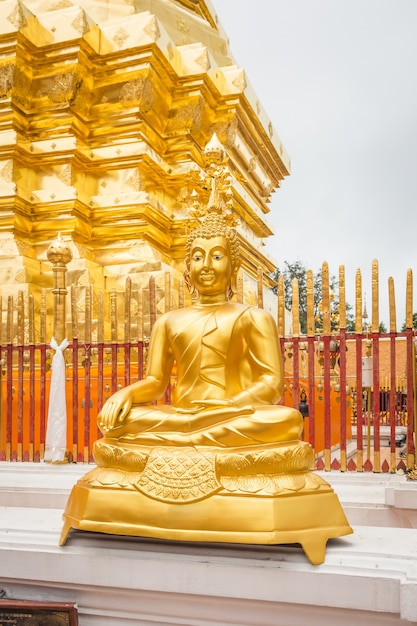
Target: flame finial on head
(215, 219)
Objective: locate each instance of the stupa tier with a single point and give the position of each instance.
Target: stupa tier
(105, 108)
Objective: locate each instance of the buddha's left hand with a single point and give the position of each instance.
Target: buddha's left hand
(211, 412)
(202, 405)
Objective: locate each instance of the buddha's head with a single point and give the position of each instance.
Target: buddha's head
(213, 239)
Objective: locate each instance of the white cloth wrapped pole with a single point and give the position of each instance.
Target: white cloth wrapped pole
(56, 433)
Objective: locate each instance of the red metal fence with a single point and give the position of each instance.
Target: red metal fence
(352, 427)
(353, 424)
(342, 413)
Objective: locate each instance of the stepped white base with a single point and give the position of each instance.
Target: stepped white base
(369, 577)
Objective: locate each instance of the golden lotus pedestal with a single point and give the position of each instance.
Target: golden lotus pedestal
(208, 495)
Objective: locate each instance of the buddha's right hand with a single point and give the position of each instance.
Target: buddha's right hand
(114, 410)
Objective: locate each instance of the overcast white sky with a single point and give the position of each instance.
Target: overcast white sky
(338, 79)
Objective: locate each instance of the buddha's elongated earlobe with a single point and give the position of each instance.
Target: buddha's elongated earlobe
(189, 283)
(233, 281)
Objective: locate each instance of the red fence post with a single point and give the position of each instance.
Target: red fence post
(410, 397)
(342, 383)
(376, 404)
(311, 393)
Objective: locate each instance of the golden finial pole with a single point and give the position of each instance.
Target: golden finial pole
(128, 309)
(310, 304)
(375, 297)
(59, 254)
(358, 302)
(295, 309)
(260, 287)
(168, 291)
(113, 315)
(100, 316)
(342, 297)
(392, 312)
(281, 306)
(325, 291)
(409, 300)
(74, 312)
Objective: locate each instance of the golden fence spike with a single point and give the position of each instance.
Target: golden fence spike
(31, 319)
(375, 296)
(128, 308)
(87, 314)
(100, 317)
(409, 300)
(9, 324)
(74, 312)
(325, 295)
(152, 301)
(168, 291)
(392, 308)
(311, 326)
(113, 315)
(295, 309)
(342, 297)
(20, 317)
(43, 316)
(358, 302)
(140, 314)
(260, 281)
(281, 306)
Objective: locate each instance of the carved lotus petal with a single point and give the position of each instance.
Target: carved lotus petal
(292, 482)
(270, 462)
(109, 477)
(127, 479)
(252, 484)
(90, 478)
(234, 464)
(313, 481)
(133, 461)
(230, 483)
(272, 487)
(305, 452)
(103, 454)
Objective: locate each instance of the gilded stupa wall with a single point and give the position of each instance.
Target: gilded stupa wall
(105, 108)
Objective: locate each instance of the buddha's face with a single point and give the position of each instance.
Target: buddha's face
(211, 266)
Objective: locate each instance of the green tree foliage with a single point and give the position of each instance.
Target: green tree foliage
(404, 326)
(298, 270)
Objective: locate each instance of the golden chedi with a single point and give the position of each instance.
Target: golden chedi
(104, 105)
(223, 462)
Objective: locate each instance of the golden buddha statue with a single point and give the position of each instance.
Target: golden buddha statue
(224, 452)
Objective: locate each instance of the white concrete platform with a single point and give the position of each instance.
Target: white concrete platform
(369, 577)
